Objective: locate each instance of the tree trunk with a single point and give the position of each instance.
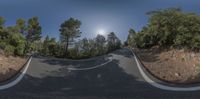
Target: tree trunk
(66, 47)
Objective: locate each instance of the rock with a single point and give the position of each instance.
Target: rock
(192, 55)
(195, 65)
(182, 50)
(183, 57)
(172, 54)
(177, 74)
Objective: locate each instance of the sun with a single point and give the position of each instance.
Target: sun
(101, 32)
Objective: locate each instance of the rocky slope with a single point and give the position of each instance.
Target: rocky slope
(177, 66)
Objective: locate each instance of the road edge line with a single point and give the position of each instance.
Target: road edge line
(160, 86)
(18, 79)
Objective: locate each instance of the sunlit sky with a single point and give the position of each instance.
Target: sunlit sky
(96, 15)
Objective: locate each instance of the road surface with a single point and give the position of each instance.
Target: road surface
(119, 78)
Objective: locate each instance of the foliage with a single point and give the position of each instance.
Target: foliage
(86, 48)
(169, 27)
(21, 25)
(113, 42)
(49, 46)
(33, 30)
(3, 34)
(23, 38)
(130, 39)
(9, 50)
(32, 34)
(74, 52)
(18, 41)
(68, 31)
(100, 44)
(195, 43)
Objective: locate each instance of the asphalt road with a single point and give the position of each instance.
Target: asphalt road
(118, 79)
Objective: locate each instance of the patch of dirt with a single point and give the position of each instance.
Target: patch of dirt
(9, 66)
(172, 65)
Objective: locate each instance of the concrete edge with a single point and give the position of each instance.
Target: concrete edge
(18, 78)
(159, 85)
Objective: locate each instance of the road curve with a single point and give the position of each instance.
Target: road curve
(118, 79)
(165, 86)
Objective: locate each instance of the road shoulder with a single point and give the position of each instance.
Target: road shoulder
(161, 84)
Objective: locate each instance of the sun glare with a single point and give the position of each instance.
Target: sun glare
(101, 32)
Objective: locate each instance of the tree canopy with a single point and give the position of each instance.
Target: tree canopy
(68, 31)
(170, 28)
(25, 38)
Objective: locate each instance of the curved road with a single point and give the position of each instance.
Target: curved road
(118, 79)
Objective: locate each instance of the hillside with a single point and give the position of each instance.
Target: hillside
(172, 65)
(9, 66)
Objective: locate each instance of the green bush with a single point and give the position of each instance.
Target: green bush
(9, 50)
(73, 53)
(19, 50)
(18, 42)
(195, 42)
(170, 27)
(2, 45)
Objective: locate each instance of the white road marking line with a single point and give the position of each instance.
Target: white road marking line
(160, 86)
(18, 79)
(147, 79)
(93, 67)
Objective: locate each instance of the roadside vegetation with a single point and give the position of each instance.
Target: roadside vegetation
(15, 43)
(19, 39)
(168, 28)
(25, 38)
(169, 45)
(69, 47)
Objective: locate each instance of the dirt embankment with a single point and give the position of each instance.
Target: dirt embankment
(177, 66)
(9, 66)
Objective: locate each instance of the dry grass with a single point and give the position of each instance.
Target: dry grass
(9, 66)
(172, 65)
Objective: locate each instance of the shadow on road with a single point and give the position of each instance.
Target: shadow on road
(107, 82)
(77, 63)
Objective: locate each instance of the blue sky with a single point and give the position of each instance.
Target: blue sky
(110, 15)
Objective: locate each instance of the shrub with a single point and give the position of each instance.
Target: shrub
(73, 53)
(195, 43)
(9, 50)
(170, 28)
(2, 45)
(19, 50)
